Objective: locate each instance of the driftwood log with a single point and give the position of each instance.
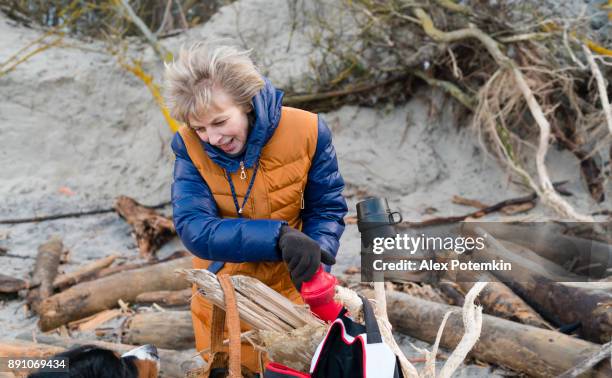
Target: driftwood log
(497, 299)
(45, 271)
(586, 256)
(151, 229)
(172, 363)
(92, 322)
(22, 348)
(97, 269)
(131, 266)
(167, 329)
(91, 297)
(9, 285)
(537, 281)
(531, 350)
(454, 294)
(65, 280)
(166, 297)
(587, 364)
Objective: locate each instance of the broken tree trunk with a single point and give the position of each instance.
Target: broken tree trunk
(88, 298)
(538, 282)
(166, 297)
(45, 271)
(167, 329)
(151, 229)
(532, 350)
(172, 363)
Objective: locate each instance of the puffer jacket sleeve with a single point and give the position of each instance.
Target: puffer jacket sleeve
(203, 231)
(324, 206)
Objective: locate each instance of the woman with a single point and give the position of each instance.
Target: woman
(256, 187)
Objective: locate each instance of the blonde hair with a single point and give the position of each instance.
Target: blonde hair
(190, 79)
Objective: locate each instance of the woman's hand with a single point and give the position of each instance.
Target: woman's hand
(302, 255)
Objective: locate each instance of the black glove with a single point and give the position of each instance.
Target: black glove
(302, 255)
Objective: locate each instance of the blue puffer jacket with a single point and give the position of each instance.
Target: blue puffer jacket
(211, 237)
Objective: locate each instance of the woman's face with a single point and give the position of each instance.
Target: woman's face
(224, 125)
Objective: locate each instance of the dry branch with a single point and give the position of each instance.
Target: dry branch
(131, 266)
(90, 323)
(82, 274)
(601, 87)
(472, 325)
(530, 198)
(296, 100)
(88, 298)
(152, 230)
(126, 9)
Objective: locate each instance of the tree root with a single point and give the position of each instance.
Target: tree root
(545, 188)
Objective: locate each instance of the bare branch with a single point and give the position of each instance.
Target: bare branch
(601, 87)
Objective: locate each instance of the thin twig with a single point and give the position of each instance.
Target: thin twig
(76, 214)
(601, 87)
(353, 89)
(587, 364)
(150, 37)
(478, 213)
(526, 37)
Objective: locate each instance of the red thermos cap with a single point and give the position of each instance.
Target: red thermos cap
(319, 292)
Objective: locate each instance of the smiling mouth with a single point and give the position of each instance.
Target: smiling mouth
(227, 146)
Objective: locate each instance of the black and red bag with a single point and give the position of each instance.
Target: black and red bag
(351, 350)
(276, 370)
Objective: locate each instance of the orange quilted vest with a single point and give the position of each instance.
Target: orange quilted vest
(277, 193)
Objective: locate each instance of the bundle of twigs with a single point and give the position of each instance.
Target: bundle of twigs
(259, 306)
(289, 333)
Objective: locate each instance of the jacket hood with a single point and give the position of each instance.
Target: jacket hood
(267, 106)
